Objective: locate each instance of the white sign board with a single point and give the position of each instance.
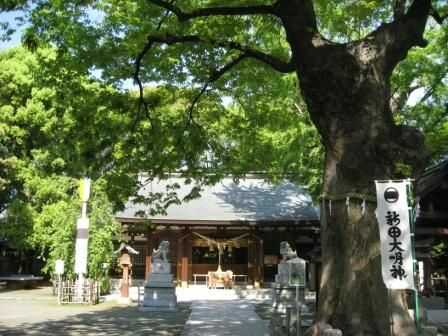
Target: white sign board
(396, 249)
(59, 267)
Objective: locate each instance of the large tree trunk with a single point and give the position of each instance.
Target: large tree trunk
(353, 297)
(362, 144)
(360, 147)
(350, 108)
(346, 88)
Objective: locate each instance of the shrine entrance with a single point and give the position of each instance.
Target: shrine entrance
(232, 226)
(251, 254)
(220, 256)
(200, 252)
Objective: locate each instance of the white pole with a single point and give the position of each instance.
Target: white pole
(82, 233)
(59, 288)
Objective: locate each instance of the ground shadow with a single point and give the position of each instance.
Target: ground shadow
(112, 321)
(21, 287)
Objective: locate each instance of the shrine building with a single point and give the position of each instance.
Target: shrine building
(235, 225)
(432, 228)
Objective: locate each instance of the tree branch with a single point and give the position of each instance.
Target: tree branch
(245, 52)
(399, 99)
(143, 105)
(12, 5)
(435, 83)
(214, 11)
(213, 78)
(138, 62)
(437, 17)
(396, 38)
(274, 62)
(399, 8)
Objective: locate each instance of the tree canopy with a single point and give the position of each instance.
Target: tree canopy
(59, 125)
(48, 138)
(250, 78)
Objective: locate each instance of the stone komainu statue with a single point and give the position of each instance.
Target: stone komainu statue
(286, 251)
(161, 254)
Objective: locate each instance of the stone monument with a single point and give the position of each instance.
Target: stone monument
(291, 274)
(160, 294)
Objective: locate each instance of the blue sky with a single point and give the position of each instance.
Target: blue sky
(15, 38)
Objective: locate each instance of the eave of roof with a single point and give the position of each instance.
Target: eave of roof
(432, 178)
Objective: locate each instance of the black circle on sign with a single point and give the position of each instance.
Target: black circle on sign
(391, 195)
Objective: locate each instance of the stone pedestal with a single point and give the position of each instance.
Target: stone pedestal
(284, 296)
(124, 300)
(160, 293)
(291, 275)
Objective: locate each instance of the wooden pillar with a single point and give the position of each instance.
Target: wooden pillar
(180, 254)
(427, 271)
(255, 258)
(260, 261)
(251, 262)
(147, 267)
(258, 245)
(183, 260)
(188, 250)
(184, 272)
(311, 276)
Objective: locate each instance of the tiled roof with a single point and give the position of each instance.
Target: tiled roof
(251, 199)
(432, 178)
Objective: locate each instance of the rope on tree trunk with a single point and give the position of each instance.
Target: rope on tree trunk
(363, 198)
(349, 195)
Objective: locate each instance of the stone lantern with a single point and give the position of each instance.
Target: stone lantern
(125, 263)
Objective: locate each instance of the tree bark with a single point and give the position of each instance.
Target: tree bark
(350, 108)
(362, 144)
(352, 295)
(347, 91)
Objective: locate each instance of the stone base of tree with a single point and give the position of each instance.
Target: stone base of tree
(323, 329)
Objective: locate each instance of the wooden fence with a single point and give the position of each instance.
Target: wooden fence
(70, 291)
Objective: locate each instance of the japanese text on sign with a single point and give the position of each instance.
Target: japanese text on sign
(393, 219)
